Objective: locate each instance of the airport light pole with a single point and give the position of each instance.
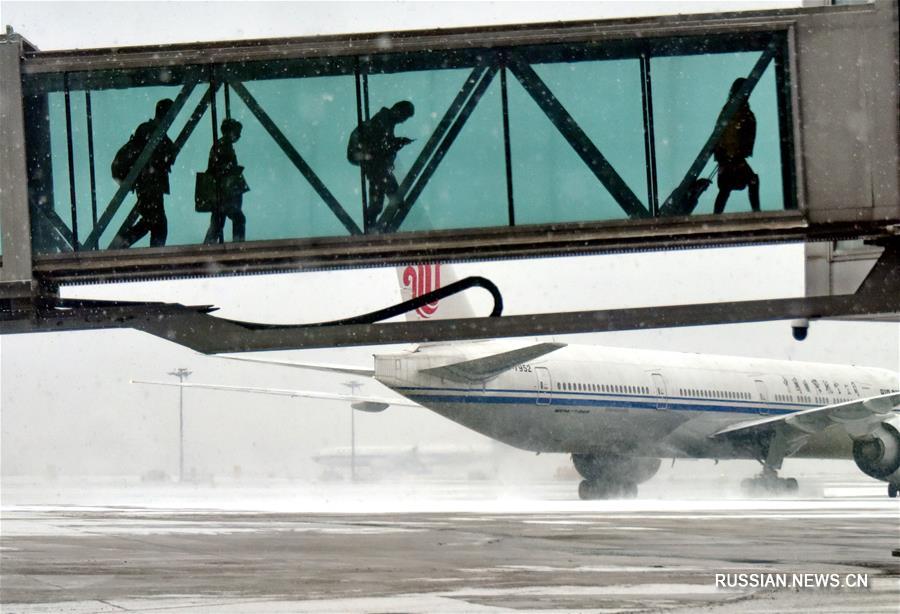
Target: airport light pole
(353, 385)
(181, 373)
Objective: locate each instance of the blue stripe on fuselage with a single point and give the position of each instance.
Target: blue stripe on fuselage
(489, 397)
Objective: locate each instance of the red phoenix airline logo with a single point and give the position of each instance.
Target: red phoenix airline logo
(422, 279)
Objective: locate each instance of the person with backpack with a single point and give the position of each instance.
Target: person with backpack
(151, 183)
(373, 146)
(733, 148)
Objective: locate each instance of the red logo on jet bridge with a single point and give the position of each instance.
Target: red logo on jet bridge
(422, 279)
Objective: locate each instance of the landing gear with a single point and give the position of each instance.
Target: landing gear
(768, 483)
(893, 491)
(612, 477)
(597, 489)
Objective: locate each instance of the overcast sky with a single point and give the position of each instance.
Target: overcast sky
(66, 398)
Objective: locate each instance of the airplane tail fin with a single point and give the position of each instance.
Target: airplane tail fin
(418, 279)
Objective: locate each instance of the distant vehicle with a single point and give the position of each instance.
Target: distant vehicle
(618, 411)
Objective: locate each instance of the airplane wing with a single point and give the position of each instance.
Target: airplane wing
(858, 418)
(364, 371)
(362, 403)
(481, 369)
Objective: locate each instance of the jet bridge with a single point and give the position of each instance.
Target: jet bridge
(543, 139)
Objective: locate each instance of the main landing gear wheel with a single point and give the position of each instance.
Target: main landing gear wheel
(611, 476)
(589, 490)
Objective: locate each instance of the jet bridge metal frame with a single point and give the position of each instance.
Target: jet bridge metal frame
(844, 181)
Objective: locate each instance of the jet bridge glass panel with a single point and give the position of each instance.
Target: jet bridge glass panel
(544, 134)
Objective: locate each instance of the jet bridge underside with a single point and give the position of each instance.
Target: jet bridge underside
(196, 328)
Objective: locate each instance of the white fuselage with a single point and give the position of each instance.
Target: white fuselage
(595, 400)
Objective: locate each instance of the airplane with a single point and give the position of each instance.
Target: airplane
(618, 411)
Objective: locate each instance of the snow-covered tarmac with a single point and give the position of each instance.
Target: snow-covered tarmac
(439, 546)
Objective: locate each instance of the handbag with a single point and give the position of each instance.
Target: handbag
(206, 198)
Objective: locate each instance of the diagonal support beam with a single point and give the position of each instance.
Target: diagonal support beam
(195, 117)
(61, 236)
(399, 210)
(294, 156)
(440, 130)
(576, 137)
(677, 203)
(155, 138)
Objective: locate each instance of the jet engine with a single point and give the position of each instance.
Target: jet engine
(878, 453)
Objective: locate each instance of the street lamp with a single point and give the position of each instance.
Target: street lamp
(353, 385)
(181, 373)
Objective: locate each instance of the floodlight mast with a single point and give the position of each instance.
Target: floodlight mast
(353, 385)
(181, 373)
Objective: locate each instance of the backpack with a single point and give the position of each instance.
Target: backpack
(126, 157)
(355, 152)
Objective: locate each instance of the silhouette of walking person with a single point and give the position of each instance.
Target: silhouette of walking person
(373, 146)
(735, 145)
(230, 186)
(151, 184)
